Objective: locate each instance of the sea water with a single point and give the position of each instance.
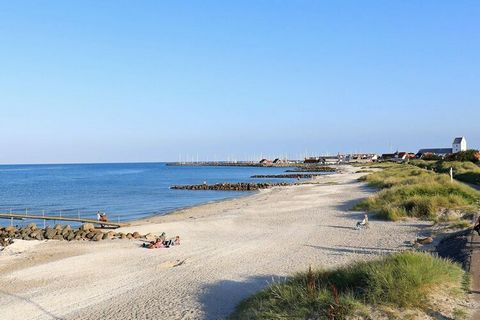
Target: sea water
(125, 191)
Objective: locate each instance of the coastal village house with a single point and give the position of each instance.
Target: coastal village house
(459, 144)
(325, 159)
(397, 156)
(361, 157)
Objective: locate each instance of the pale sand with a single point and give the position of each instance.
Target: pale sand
(229, 250)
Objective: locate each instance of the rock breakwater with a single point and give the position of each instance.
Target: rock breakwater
(86, 231)
(229, 186)
(312, 169)
(288, 175)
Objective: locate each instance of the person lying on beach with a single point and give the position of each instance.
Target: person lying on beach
(155, 243)
(476, 227)
(363, 223)
(172, 242)
(158, 243)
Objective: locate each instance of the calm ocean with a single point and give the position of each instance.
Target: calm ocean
(124, 191)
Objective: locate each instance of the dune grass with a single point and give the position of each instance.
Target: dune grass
(463, 171)
(409, 191)
(402, 280)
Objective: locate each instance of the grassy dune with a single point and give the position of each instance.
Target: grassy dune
(403, 280)
(463, 171)
(410, 191)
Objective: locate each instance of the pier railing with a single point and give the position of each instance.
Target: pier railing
(28, 216)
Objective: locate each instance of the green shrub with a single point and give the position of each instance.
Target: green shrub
(464, 156)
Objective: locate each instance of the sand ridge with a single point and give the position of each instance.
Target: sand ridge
(229, 250)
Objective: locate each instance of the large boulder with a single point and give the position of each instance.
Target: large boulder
(136, 235)
(98, 237)
(66, 230)
(87, 227)
(50, 233)
(108, 235)
(31, 226)
(69, 236)
(90, 235)
(10, 229)
(58, 227)
(33, 234)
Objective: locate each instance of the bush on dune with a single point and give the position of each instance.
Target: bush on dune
(465, 156)
(401, 280)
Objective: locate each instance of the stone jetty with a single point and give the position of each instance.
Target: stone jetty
(86, 231)
(243, 186)
(288, 175)
(312, 169)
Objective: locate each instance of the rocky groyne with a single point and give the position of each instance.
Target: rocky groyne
(288, 175)
(229, 186)
(60, 232)
(312, 169)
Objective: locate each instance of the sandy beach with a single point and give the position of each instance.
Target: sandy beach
(229, 250)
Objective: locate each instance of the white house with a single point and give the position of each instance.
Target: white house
(459, 144)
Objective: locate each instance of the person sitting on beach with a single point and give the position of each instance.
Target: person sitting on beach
(102, 216)
(363, 223)
(476, 227)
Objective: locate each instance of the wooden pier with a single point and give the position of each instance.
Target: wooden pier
(18, 216)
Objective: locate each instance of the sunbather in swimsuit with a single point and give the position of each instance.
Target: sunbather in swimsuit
(171, 242)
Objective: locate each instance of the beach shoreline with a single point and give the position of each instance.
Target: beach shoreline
(230, 249)
(157, 217)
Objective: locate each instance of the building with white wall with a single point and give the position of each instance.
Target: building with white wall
(459, 144)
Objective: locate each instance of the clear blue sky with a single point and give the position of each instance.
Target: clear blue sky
(113, 81)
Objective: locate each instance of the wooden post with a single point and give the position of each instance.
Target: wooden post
(451, 174)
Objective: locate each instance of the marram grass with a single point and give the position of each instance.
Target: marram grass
(409, 191)
(463, 171)
(402, 280)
